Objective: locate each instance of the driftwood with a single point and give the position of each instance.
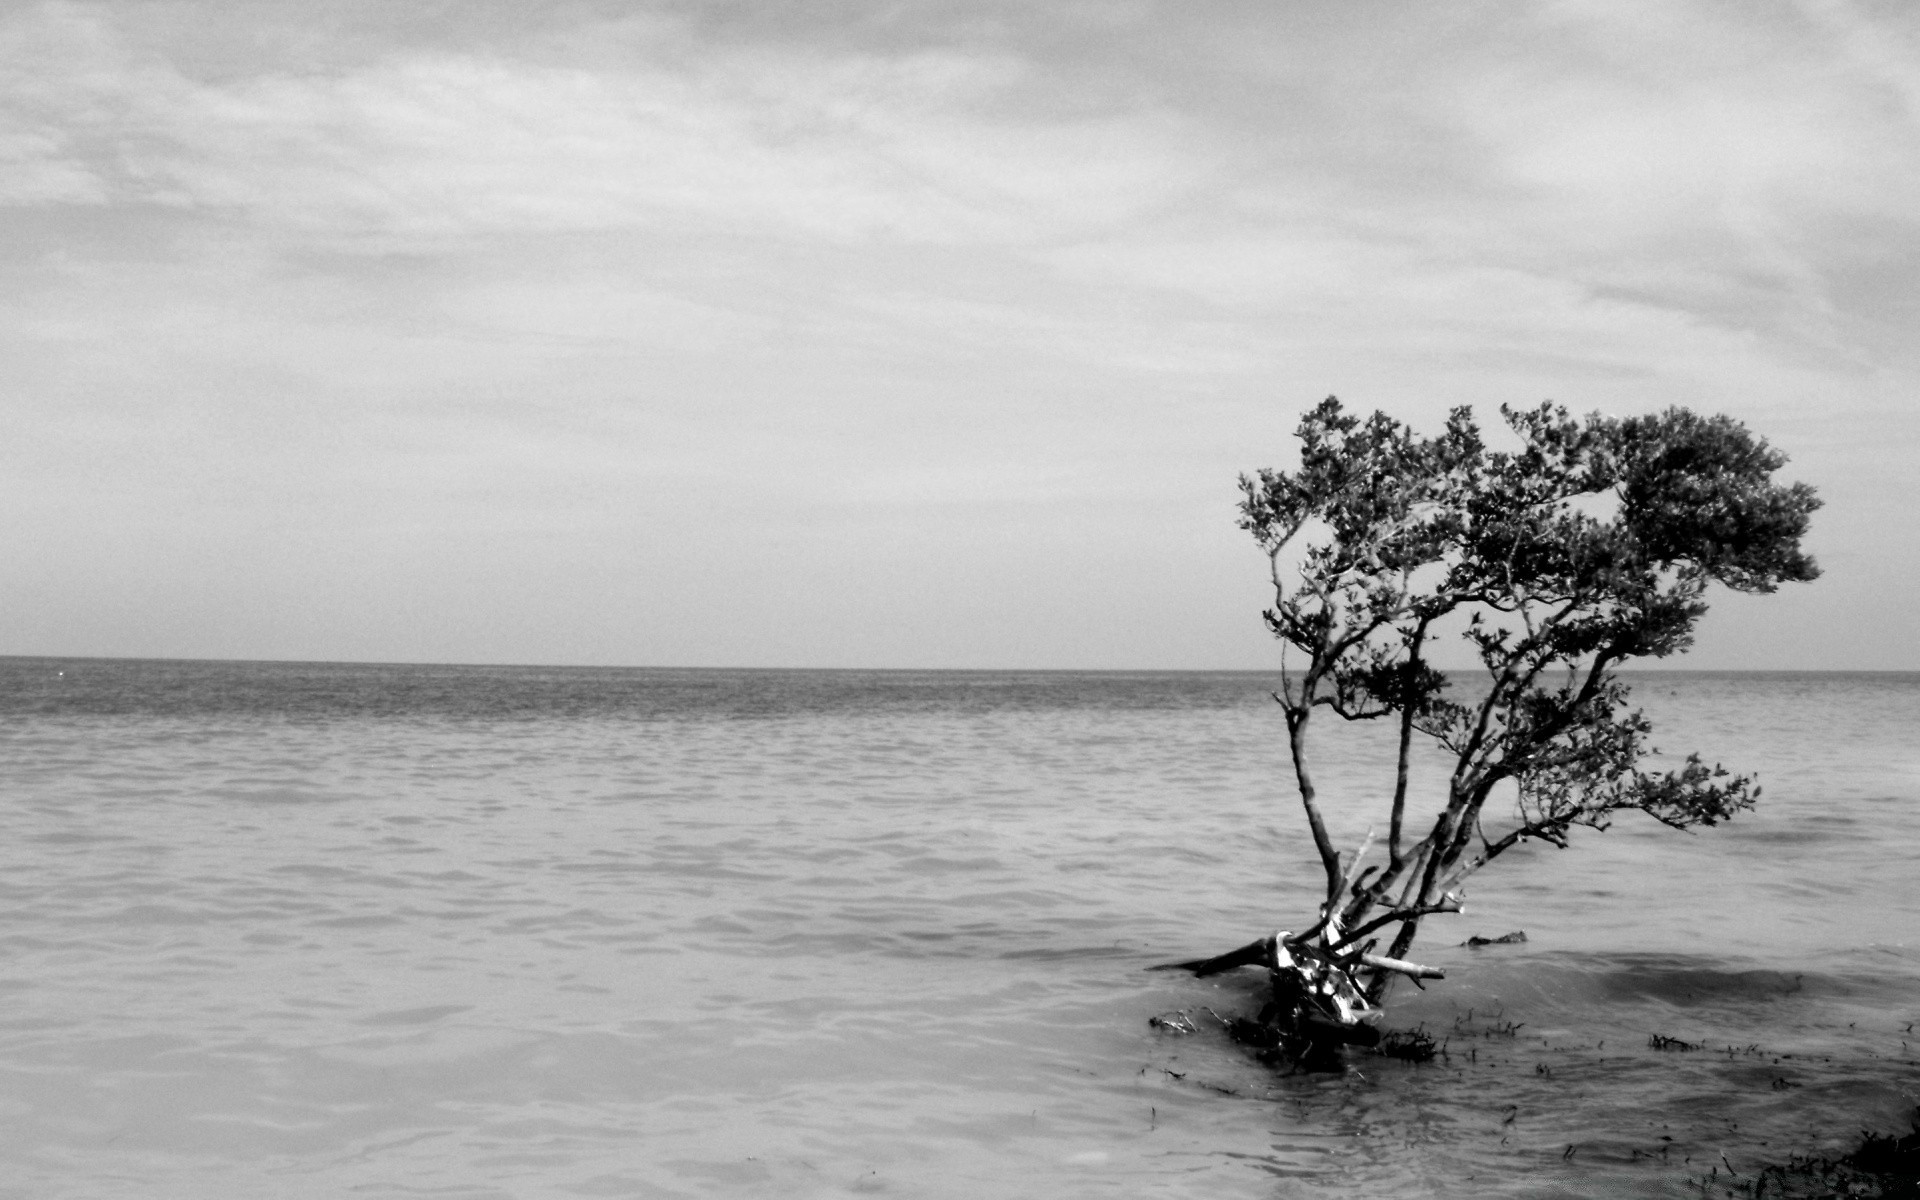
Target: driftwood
(1381, 962)
(1316, 1005)
(1253, 954)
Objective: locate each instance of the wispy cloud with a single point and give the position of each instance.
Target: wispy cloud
(436, 145)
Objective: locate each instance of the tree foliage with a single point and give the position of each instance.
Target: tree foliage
(1592, 543)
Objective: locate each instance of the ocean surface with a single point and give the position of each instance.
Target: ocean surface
(297, 930)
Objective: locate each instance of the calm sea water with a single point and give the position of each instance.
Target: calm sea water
(314, 931)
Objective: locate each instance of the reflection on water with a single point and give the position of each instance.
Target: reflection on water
(302, 930)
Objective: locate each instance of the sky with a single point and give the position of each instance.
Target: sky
(906, 334)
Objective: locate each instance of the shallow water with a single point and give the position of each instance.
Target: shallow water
(302, 930)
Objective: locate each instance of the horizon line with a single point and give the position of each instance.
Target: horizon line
(562, 666)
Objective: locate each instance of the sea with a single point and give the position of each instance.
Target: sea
(322, 930)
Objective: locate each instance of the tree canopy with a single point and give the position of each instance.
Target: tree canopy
(1591, 543)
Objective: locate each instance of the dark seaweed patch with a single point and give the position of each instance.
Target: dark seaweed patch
(1886, 1166)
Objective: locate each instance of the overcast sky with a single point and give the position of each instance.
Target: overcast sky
(898, 334)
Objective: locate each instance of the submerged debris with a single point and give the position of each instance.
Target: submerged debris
(1661, 1041)
(1888, 1154)
(1410, 1045)
(1172, 1022)
(1505, 939)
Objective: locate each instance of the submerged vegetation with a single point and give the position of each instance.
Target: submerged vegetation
(1881, 1167)
(1591, 544)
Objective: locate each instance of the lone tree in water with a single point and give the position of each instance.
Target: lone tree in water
(1591, 544)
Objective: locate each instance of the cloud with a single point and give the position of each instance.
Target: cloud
(1613, 162)
(430, 145)
(941, 273)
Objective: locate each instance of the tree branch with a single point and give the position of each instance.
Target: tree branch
(1448, 904)
(1407, 710)
(1382, 963)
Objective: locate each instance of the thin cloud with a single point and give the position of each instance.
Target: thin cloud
(431, 145)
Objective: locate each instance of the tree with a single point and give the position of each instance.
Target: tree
(1591, 544)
